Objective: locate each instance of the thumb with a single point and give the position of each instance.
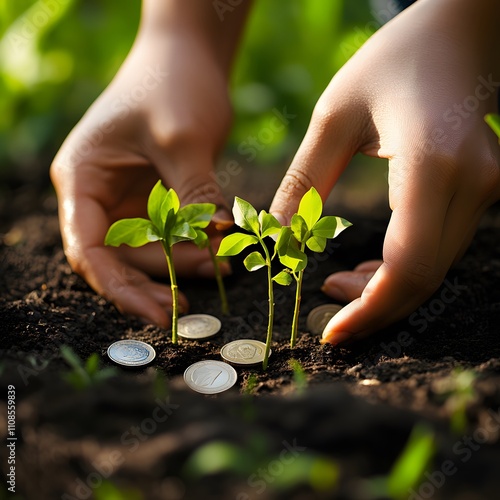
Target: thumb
(321, 158)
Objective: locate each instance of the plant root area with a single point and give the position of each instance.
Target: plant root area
(336, 432)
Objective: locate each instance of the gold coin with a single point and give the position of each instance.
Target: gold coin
(244, 352)
(198, 326)
(319, 317)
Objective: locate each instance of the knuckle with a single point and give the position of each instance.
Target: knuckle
(296, 181)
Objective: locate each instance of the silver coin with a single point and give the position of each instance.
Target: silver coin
(198, 326)
(319, 317)
(244, 352)
(210, 377)
(131, 353)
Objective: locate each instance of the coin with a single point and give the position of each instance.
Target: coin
(210, 377)
(198, 326)
(319, 317)
(244, 352)
(131, 352)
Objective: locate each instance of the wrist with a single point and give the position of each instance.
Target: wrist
(196, 21)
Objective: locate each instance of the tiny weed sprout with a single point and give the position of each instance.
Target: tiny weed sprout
(260, 226)
(307, 229)
(457, 392)
(169, 224)
(84, 374)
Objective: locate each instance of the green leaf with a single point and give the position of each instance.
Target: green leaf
(288, 250)
(201, 240)
(155, 202)
(316, 243)
(493, 120)
(310, 207)
(170, 202)
(132, 232)
(299, 228)
(254, 261)
(330, 226)
(92, 364)
(235, 243)
(197, 215)
(411, 464)
(269, 225)
(182, 231)
(283, 278)
(169, 223)
(245, 216)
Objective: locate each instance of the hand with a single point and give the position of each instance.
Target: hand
(415, 93)
(165, 115)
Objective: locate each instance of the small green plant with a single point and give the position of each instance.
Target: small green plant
(260, 226)
(84, 374)
(408, 469)
(307, 229)
(299, 375)
(457, 391)
(169, 224)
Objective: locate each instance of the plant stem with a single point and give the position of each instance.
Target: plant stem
(270, 323)
(298, 298)
(220, 283)
(174, 288)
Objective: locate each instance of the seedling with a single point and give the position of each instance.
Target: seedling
(458, 392)
(205, 243)
(84, 374)
(408, 469)
(261, 226)
(307, 229)
(299, 376)
(169, 224)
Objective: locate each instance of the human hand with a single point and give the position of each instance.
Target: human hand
(416, 94)
(165, 115)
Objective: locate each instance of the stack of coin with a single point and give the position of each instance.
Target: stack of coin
(198, 326)
(319, 317)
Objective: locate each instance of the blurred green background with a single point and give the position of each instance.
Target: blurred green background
(56, 56)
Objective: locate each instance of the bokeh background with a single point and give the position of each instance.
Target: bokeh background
(56, 56)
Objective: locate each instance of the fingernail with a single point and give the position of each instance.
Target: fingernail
(222, 219)
(335, 338)
(281, 218)
(334, 291)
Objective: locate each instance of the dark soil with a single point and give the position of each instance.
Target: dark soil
(114, 436)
